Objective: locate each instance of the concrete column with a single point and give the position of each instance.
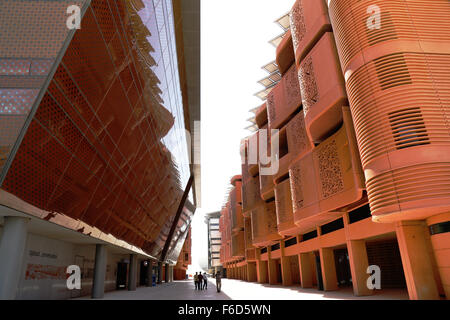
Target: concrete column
(160, 272)
(251, 272)
(12, 248)
(166, 273)
(305, 264)
(98, 286)
(262, 271)
(328, 269)
(415, 252)
(132, 273)
(286, 273)
(272, 271)
(359, 263)
(150, 273)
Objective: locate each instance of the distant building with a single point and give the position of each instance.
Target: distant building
(214, 240)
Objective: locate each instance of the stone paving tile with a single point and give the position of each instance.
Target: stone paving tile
(241, 290)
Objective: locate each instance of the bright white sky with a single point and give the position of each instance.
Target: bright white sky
(234, 40)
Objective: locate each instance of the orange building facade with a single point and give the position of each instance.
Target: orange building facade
(361, 119)
(95, 166)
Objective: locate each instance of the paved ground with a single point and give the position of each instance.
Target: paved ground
(240, 290)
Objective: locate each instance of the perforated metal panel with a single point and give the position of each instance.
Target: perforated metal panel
(238, 245)
(28, 52)
(264, 225)
(285, 215)
(308, 21)
(326, 179)
(284, 99)
(323, 89)
(104, 146)
(297, 137)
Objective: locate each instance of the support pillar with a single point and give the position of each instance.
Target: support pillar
(286, 273)
(171, 273)
(415, 252)
(98, 285)
(272, 271)
(305, 264)
(166, 273)
(246, 272)
(149, 273)
(160, 272)
(328, 269)
(251, 272)
(262, 271)
(359, 263)
(12, 248)
(132, 273)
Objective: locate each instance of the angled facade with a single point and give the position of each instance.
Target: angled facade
(95, 168)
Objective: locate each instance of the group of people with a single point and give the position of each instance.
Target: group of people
(201, 281)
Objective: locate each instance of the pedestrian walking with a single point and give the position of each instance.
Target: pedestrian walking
(205, 281)
(200, 281)
(218, 281)
(196, 280)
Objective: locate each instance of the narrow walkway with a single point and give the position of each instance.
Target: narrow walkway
(178, 290)
(240, 290)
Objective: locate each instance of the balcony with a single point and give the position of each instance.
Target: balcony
(327, 179)
(323, 89)
(293, 143)
(261, 116)
(285, 214)
(237, 219)
(284, 100)
(238, 245)
(252, 158)
(248, 233)
(264, 225)
(309, 21)
(250, 250)
(285, 53)
(251, 197)
(266, 181)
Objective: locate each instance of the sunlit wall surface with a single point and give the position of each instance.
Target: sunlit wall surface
(107, 144)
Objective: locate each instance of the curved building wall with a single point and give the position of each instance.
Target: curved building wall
(397, 83)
